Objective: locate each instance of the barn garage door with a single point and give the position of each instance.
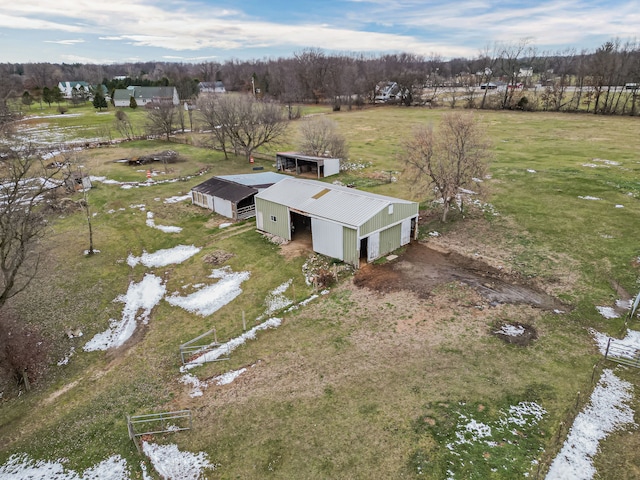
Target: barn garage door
(373, 246)
(327, 238)
(405, 235)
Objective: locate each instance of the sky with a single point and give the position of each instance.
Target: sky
(195, 31)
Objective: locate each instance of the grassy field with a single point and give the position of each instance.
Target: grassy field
(356, 384)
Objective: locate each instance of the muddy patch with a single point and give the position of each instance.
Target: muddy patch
(421, 269)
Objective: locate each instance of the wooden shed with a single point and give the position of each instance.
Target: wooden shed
(344, 223)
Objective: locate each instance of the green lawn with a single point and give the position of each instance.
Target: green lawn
(356, 384)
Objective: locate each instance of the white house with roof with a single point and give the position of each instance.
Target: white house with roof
(345, 223)
(212, 87)
(67, 88)
(145, 95)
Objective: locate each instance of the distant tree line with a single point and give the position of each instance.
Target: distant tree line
(603, 81)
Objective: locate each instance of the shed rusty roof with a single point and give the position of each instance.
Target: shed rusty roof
(225, 189)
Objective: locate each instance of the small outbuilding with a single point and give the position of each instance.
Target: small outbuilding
(232, 196)
(307, 164)
(344, 223)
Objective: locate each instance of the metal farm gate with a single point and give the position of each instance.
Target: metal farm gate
(621, 353)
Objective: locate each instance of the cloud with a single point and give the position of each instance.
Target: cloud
(65, 42)
(376, 26)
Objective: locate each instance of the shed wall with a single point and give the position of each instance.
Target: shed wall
(223, 207)
(281, 226)
(383, 218)
(350, 246)
(389, 239)
(331, 167)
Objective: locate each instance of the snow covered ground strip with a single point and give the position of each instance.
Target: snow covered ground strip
(178, 198)
(607, 411)
(164, 228)
(232, 344)
(607, 312)
(631, 340)
(20, 467)
(169, 461)
(140, 296)
(197, 385)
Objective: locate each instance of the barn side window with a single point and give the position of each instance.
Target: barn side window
(390, 209)
(273, 218)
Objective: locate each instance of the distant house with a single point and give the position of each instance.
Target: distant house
(526, 72)
(211, 87)
(386, 91)
(67, 88)
(145, 95)
(71, 89)
(300, 164)
(232, 196)
(344, 223)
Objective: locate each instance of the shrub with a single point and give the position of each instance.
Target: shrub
(23, 351)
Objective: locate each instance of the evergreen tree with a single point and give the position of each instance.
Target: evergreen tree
(27, 99)
(99, 101)
(47, 96)
(132, 103)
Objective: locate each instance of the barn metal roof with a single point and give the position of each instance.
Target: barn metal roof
(257, 180)
(341, 204)
(221, 188)
(307, 158)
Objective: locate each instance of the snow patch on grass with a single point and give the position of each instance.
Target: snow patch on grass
(21, 466)
(511, 330)
(211, 298)
(140, 296)
(607, 312)
(606, 412)
(164, 228)
(228, 377)
(173, 464)
(164, 257)
(276, 300)
(178, 198)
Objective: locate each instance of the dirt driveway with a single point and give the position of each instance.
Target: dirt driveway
(421, 269)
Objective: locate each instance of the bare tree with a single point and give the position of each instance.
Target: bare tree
(244, 122)
(319, 136)
(212, 116)
(160, 118)
(25, 183)
(509, 63)
(487, 64)
(123, 125)
(449, 160)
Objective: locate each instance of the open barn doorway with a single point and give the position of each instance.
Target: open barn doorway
(301, 228)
